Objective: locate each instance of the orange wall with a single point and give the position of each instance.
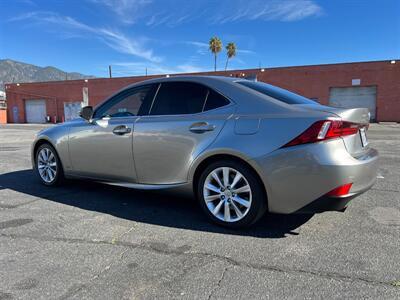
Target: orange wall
(310, 81)
(3, 116)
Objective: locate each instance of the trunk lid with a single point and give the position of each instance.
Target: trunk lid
(356, 144)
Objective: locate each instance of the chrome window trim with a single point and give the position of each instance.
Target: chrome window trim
(205, 100)
(154, 98)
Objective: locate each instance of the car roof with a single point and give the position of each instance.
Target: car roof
(196, 78)
(249, 100)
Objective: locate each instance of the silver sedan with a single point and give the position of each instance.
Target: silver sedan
(241, 147)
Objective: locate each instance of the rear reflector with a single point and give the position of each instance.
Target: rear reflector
(340, 191)
(324, 130)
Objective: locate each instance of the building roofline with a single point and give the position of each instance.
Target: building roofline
(335, 64)
(205, 73)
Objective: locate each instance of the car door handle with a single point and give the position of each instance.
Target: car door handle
(121, 130)
(201, 127)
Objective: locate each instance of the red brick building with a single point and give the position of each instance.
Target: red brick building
(367, 84)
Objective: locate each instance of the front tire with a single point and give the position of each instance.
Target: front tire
(48, 165)
(231, 194)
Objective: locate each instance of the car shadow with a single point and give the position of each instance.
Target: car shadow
(152, 207)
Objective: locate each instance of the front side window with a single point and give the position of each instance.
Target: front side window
(179, 98)
(133, 102)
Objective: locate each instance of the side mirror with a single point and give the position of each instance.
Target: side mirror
(87, 113)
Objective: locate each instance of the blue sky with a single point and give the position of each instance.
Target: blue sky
(172, 36)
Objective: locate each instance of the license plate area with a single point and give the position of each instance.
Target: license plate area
(363, 136)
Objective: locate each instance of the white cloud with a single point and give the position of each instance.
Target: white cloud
(197, 44)
(189, 68)
(201, 48)
(112, 38)
(139, 68)
(174, 13)
(284, 10)
(243, 51)
(122, 44)
(128, 11)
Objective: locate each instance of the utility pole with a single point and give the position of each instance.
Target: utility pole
(146, 71)
(109, 71)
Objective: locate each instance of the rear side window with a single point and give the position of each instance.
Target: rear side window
(179, 98)
(215, 100)
(276, 92)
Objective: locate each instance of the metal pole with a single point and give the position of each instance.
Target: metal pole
(109, 71)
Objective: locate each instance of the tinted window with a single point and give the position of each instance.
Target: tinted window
(215, 100)
(132, 102)
(276, 92)
(175, 98)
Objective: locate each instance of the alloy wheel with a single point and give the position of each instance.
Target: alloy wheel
(227, 194)
(47, 165)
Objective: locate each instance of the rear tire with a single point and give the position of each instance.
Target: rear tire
(48, 166)
(231, 194)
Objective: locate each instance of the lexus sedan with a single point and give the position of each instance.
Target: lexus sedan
(241, 147)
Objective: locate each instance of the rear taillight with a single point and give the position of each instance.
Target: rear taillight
(324, 130)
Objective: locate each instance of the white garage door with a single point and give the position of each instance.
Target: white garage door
(354, 97)
(35, 111)
(72, 110)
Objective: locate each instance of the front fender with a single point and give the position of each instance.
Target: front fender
(57, 136)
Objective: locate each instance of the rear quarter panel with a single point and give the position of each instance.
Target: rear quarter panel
(250, 137)
(254, 136)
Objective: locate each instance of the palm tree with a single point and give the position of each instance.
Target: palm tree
(230, 52)
(215, 48)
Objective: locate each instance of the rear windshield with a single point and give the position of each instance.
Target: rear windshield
(276, 92)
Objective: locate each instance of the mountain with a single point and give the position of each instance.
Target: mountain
(15, 71)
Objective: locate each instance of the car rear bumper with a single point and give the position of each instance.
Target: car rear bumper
(298, 178)
(326, 203)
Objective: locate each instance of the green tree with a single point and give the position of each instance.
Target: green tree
(215, 48)
(230, 52)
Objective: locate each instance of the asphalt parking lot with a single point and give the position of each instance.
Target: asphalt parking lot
(92, 241)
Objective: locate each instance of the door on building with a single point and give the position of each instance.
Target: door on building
(354, 97)
(71, 110)
(35, 111)
(15, 114)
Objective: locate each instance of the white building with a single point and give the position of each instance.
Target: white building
(2, 99)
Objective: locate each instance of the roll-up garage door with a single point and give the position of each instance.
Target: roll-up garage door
(35, 111)
(354, 97)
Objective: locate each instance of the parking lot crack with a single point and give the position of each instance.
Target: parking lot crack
(115, 239)
(230, 261)
(75, 289)
(218, 285)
